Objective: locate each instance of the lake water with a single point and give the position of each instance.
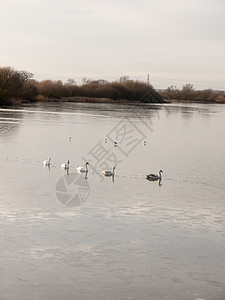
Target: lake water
(66, 235)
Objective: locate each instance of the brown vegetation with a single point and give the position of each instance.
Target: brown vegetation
(16, 85)
(20, 86)
(123, 89)
(189, 94)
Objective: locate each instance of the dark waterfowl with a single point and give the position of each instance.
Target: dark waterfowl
(154, 177)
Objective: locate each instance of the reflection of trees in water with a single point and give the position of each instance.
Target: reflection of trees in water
(114, 110)
(50, 111)
(140, 111)
(8, 128)
(9, 122)
(188, 111)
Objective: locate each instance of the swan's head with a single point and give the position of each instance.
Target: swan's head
(160, 171)
(68, 161)
(87, 163)
(49, 158)
(113, 169)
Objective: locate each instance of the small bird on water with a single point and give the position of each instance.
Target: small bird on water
(109, 173)
(154, 177)
(66, 165)
(47, 162)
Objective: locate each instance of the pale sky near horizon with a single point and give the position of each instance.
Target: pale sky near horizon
(174, 41)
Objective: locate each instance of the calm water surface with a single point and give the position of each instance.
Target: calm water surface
(66, 235)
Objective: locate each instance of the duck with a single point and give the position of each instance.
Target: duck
(47, 162)
(83, 169)
(66, 165)
(109, 173)
(154, 176)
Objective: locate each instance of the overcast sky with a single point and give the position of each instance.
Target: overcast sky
(174, 41)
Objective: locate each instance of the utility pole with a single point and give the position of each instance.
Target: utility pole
(148, 79)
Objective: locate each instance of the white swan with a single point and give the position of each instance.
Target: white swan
(109, 173)
(47, 162)
(155, 176)
(83, 169)
(66, 165)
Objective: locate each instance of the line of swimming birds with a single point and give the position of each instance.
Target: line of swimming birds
(84, 169)
(151, 177)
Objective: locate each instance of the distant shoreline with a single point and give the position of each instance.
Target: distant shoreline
(78, 100)
(107, 100)
(194, 101)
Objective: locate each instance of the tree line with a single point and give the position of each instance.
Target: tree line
(188, 93)
(16, 84)
(122, 89)
(20, 85)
